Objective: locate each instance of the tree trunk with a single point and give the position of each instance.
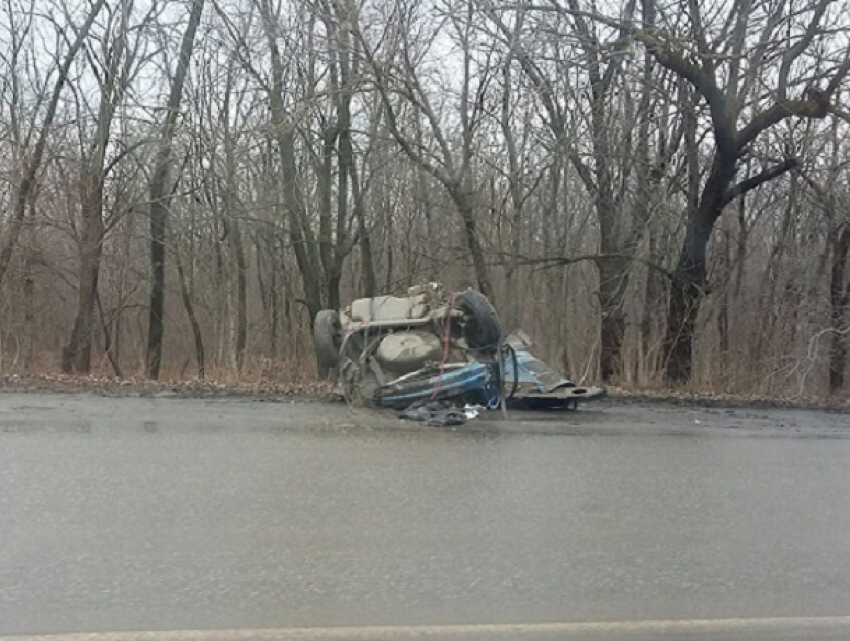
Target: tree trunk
(275, 306)
(303, 240)
(612, 291)
(724, 310)
(348, 165)
(764, 324)
(186, 297)
(107, 338)
(613, 272)
(242, 289)
(324, 171)
(688, 286)
(158, 216)
(29, 320)
(233, 231)
(77, 354)
(652, 299)
(389, 239)
(267, 284)
(839, 299)
(239, 308)
(369, 280)
(160, 197)
(462, 200)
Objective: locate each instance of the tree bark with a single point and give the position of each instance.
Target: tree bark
(197, 336)
(688, 284)
(613, 279)
(303, 245)
(77, 354)
(239, 307)
(160, 197)
(238, 304)
(839, 299)
(463, 202)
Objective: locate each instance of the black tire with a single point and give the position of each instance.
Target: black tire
(327, 333)
(483, 330)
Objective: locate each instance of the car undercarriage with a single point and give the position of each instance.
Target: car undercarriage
(434, 345)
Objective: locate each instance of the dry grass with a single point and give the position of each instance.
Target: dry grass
(266, 377)
(705, 398)
(289, 381)
(260, 377)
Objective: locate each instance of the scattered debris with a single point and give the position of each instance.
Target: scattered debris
(435, 413)
(440, 413)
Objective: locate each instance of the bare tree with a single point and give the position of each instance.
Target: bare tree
(160, 194)
(24, 185)
(729, 62)
(449, 162)
(112, 58)
(831, 194)
(728, 96)
(327, 149)
(597, 62)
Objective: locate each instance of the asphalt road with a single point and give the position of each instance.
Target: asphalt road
(163, 514)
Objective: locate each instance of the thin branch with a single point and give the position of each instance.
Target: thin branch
(815, 105)
(561, 261)
(762, 177)
(799, 47)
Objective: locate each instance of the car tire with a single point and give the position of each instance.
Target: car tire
(327, 334)
(484, 330)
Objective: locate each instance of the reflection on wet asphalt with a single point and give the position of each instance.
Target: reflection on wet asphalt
(180, 514)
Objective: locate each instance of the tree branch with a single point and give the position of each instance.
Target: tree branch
(840, 74)
(561, 261)
(702, 80)
(794, 52)
(760, 178)
(815, 105)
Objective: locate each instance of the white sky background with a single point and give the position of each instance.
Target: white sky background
(439, 69)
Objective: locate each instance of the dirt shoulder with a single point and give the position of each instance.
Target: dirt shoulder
(716, 400)
(84, 412)
(131, 387)
(326, 392)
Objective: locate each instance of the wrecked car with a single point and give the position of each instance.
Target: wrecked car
(436, 345)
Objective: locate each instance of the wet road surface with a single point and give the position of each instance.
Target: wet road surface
(168, 514)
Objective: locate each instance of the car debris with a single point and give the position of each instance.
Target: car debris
(536, 385)
(440, 412)
(435, 352)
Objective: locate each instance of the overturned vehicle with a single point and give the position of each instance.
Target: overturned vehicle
(431, 345)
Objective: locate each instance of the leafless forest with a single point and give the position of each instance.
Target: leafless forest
(657, 192)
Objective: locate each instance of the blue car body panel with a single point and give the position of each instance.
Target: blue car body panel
(532, 371)
(532, 384)
(473, 379)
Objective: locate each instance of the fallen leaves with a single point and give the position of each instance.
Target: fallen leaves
(130, 386)
(715, 399)
(323, 390)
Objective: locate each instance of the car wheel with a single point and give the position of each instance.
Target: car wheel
(327, 333)
(483, 330)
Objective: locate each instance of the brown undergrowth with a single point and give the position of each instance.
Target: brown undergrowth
(303, 387)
